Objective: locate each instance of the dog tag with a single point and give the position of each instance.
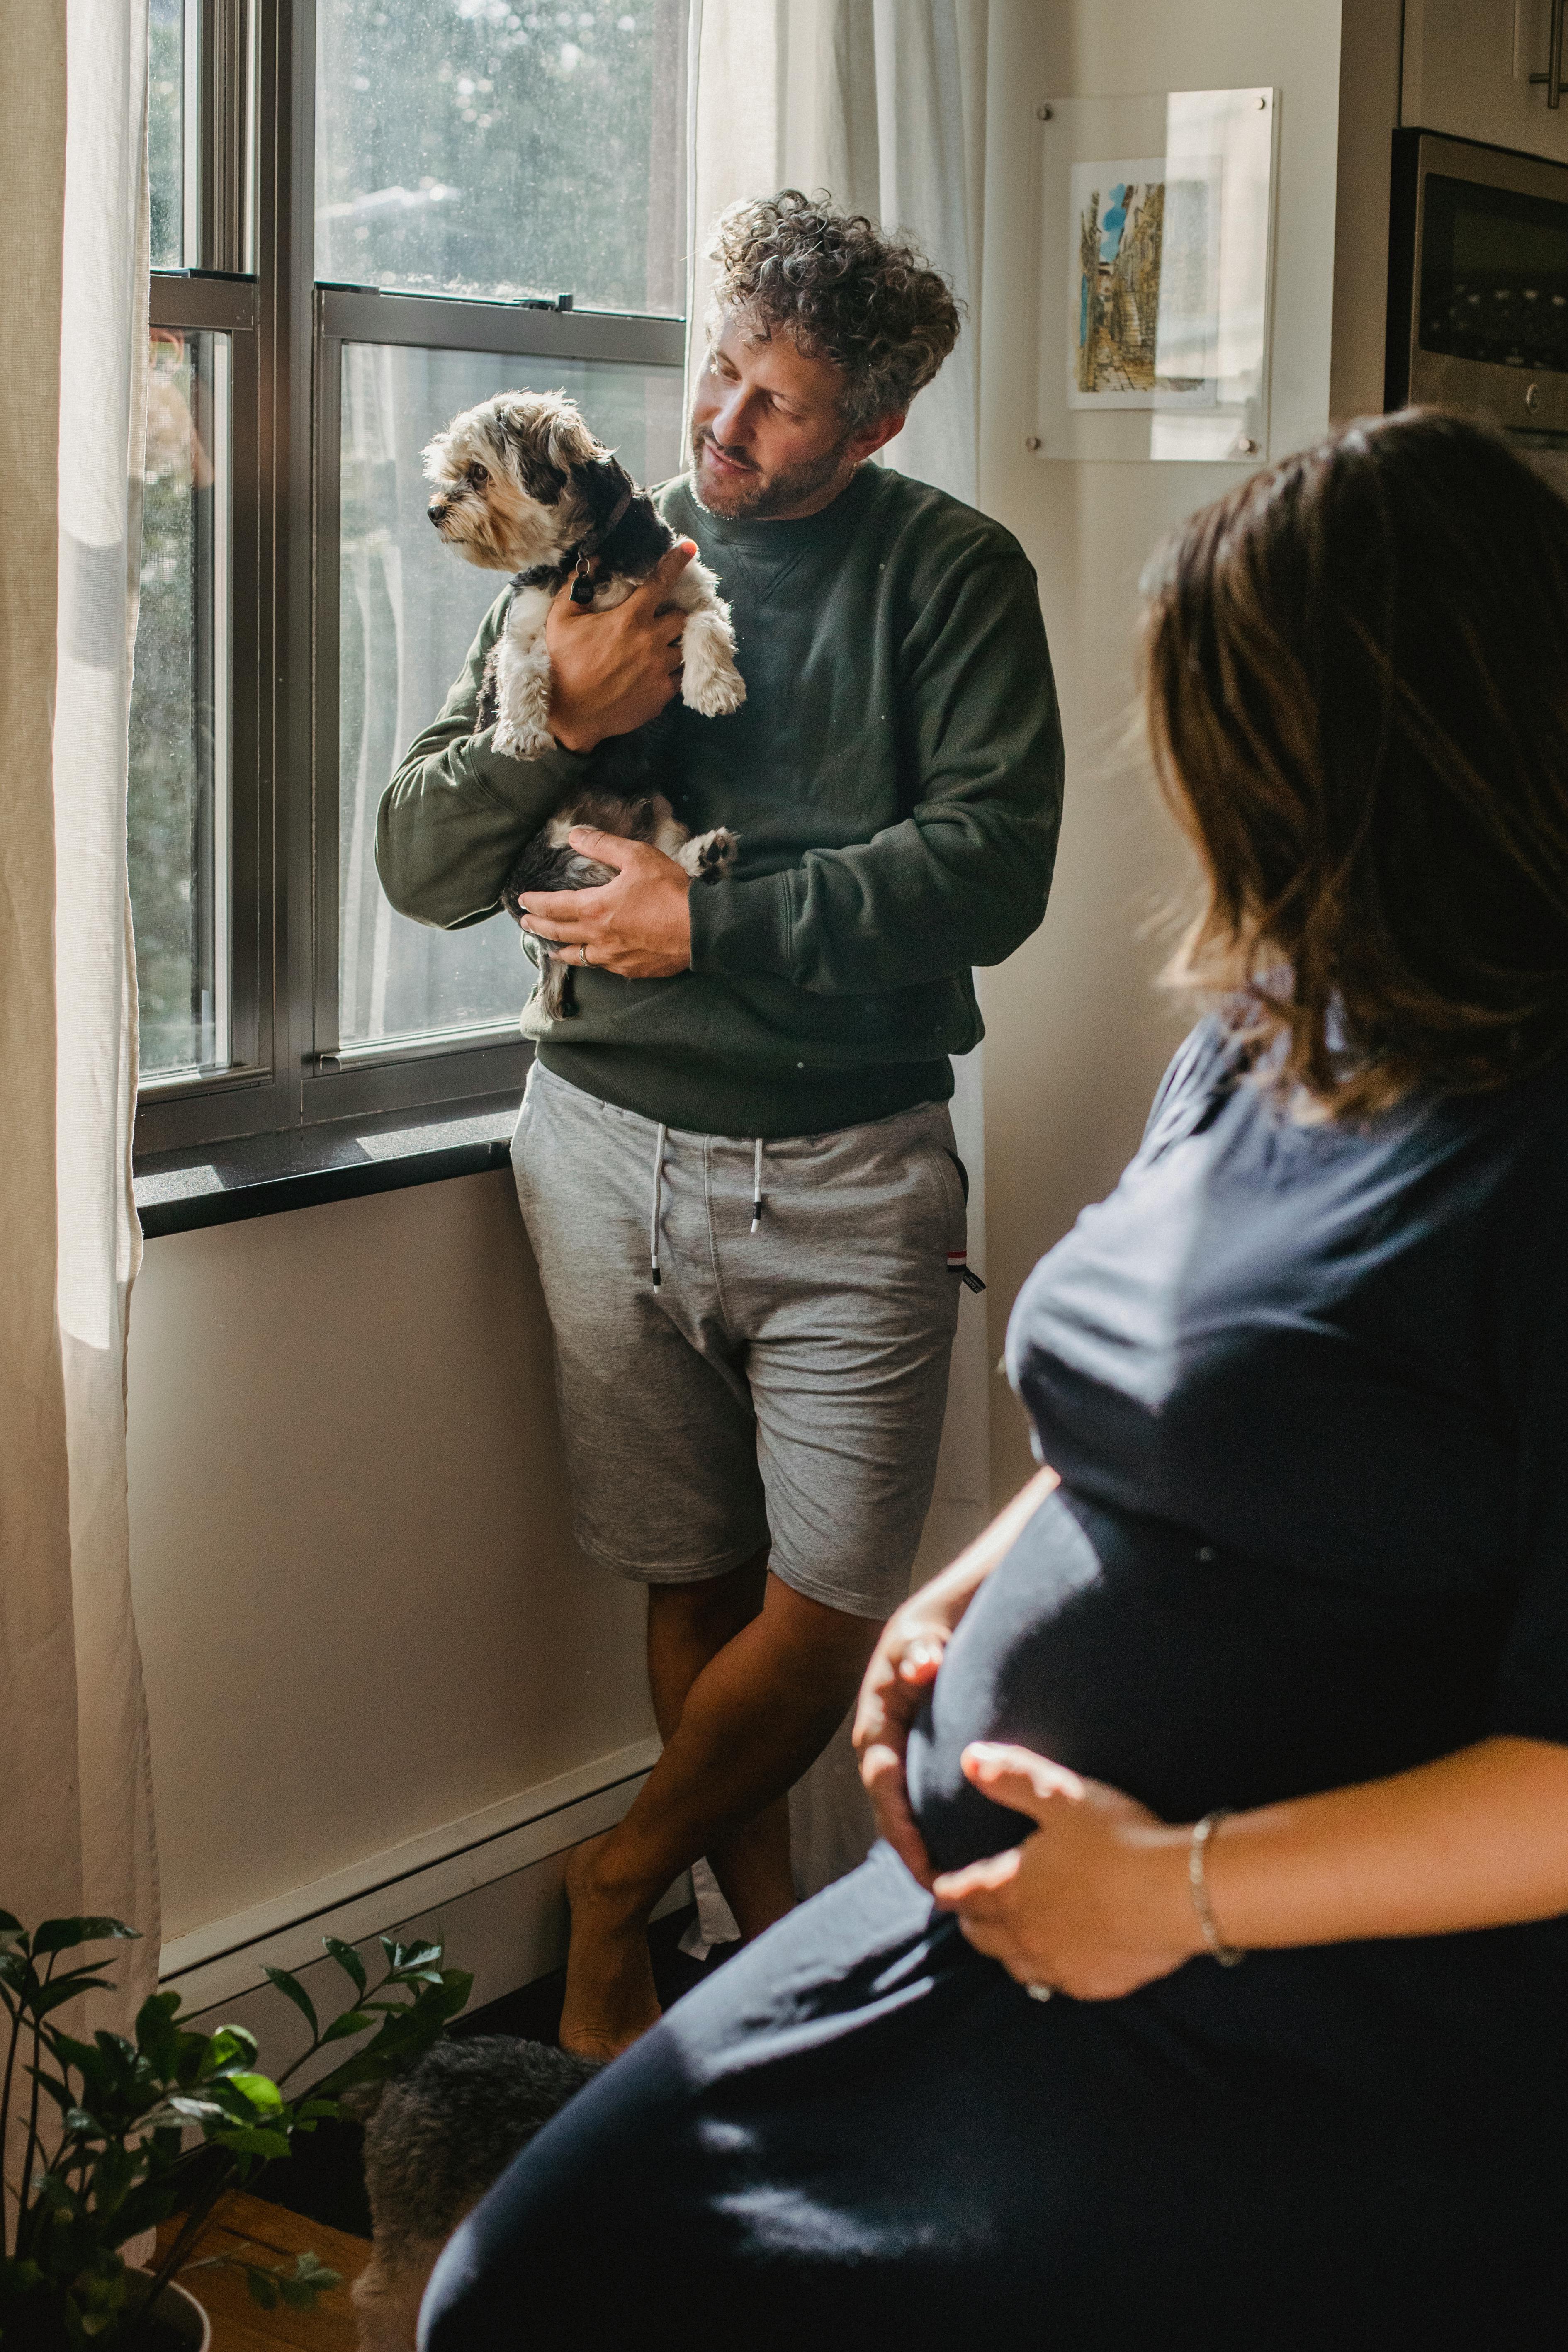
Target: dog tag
(582, 587)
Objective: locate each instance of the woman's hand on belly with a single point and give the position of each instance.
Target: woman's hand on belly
(904, 1666)
(1095, 1902)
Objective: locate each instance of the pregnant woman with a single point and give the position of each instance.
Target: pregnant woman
(1209, 1985)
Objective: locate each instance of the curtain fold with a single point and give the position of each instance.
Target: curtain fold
(75, 1826)
(882, 102)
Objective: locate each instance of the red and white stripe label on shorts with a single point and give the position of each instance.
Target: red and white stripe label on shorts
(957, 1262)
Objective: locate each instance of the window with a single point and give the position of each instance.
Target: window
(481, 195)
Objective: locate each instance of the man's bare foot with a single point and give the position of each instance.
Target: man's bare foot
(610, 1997)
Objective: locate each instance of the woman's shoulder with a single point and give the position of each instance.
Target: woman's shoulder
(1204, 1072)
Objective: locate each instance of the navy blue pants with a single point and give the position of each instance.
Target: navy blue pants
(861, 2133)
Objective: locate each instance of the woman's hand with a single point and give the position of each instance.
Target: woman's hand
(1094, 1903)
(904, 1666)
(902, 1669)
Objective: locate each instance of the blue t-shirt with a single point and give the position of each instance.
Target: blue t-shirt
(1339, 1351)
(1307, 1388)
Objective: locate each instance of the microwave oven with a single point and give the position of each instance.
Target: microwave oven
(1478, 284)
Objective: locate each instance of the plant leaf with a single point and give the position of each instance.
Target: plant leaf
(261, 2090)
(64, 1934)
(263, 2285)
(247, 2140)
(61, 1989)
(231, 2046)
(193, 2111)
(353, 2020)
(348, 1960)
(292, 1989)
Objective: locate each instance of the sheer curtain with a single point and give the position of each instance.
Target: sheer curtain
(76, 1821)
(883, 103)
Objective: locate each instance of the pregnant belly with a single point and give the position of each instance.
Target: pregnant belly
(1131, 1652)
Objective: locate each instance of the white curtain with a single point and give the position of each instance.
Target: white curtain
(882, 102)
(76, 1824)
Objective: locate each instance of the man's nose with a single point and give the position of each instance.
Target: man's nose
(729, 425)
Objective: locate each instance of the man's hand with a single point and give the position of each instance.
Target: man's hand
(611, 672)
(639, 925)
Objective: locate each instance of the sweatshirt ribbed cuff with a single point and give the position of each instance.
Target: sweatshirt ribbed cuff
(524, 783)
(742, 928)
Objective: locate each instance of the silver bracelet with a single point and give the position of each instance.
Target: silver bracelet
(1228, 1955)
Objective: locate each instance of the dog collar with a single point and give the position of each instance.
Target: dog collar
(589, 546)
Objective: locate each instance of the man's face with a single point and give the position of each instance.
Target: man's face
(768, 440)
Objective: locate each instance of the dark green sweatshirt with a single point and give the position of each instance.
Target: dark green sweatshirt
(895, 778)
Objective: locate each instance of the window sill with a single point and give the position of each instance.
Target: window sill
(260, 1175)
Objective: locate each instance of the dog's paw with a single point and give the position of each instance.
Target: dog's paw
(711, 855)
(522, 740)
(713, 693)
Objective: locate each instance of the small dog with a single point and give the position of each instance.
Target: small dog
(435, 2138)
(521, 486)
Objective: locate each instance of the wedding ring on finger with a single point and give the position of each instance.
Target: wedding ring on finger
(1041, 1991)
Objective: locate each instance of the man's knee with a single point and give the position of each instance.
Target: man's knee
(724, 1602)
(816, 1632)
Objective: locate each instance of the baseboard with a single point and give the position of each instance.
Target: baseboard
(422, 1878)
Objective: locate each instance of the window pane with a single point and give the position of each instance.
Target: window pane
(467, 146)
(179, 710)
(167, 132)
(408, 611)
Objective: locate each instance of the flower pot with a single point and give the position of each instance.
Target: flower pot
(178, 2322)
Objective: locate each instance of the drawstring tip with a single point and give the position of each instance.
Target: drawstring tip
(655, 1271)
(756, 1215)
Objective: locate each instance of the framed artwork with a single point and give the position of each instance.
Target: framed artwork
(1142, 284)
(1156, 232)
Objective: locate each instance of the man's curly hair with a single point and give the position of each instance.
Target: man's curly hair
(842, 290)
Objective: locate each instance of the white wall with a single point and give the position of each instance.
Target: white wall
(1076, 1034)
(362, 1612)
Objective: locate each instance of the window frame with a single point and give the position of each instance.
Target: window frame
(252, 188)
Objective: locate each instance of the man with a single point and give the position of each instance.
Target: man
(752, 1090)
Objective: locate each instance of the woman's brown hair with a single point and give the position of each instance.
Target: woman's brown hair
(1356, 686)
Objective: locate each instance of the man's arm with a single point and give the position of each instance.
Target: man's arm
(457, 811)
(963, 880)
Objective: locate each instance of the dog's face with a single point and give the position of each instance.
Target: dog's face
(502, 474)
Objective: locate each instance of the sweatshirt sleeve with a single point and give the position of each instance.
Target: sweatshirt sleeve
(457, 812)
(964, 879)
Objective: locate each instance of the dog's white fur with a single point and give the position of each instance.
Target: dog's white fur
(484, 509)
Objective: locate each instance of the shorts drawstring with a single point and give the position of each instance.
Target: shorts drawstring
(658, 1196)
(658, 1150)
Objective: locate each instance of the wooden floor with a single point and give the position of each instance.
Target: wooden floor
(267, 2233)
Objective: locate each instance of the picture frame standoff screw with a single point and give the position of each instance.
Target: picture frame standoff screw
(1031, 440)
(1044, 113)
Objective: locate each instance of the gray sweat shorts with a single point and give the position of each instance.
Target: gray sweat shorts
(780, 1389)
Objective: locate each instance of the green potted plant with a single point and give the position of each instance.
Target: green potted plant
(120, 2134)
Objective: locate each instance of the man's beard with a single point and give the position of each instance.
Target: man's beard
(760, 499)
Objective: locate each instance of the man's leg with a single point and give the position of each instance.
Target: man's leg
(687, 1626)
(755, 1717)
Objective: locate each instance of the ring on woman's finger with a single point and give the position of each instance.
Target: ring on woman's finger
(1041, 1991)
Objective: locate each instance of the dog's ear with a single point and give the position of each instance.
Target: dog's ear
(599, 482)
(570, 442)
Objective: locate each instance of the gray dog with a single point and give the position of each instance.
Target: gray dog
(434, 2142)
